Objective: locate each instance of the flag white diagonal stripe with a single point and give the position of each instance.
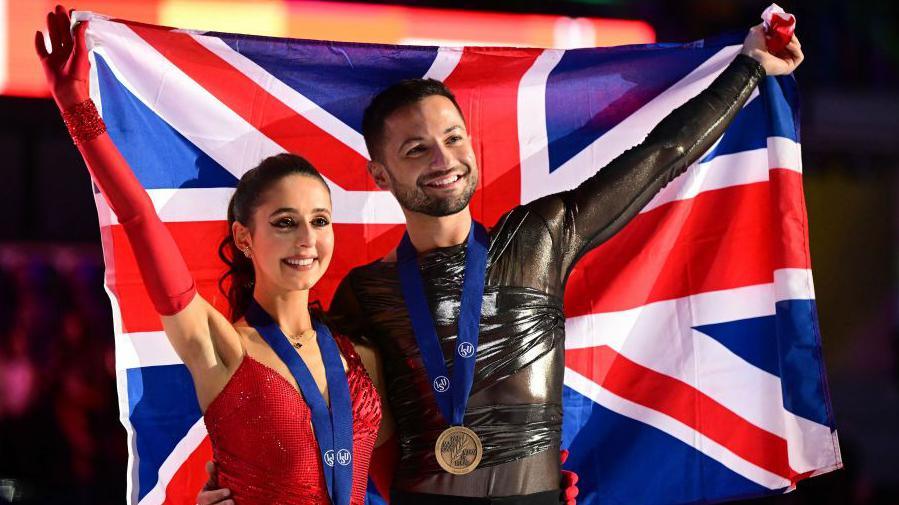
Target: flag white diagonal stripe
(446, 61)
(185, 447)
(532, 136)
(673, 427)
(704, 363)
(234, 138)
(537, 181)
(289, 96)
(163, 88)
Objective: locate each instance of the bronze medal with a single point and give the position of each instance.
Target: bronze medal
(458, 450)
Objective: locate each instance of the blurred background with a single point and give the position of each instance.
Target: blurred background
(60, 439)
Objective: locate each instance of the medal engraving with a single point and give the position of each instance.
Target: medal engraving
(458, 450)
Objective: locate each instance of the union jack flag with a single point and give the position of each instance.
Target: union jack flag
(693, 363)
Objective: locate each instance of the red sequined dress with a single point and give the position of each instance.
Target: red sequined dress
(262, 438)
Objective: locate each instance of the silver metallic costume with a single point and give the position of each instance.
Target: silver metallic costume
(515, 402)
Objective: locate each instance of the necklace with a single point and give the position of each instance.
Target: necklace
(301, 338)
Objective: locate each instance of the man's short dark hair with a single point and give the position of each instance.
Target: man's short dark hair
(397, 96)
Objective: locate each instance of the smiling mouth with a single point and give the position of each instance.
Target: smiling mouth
(445, 182)
(299, 264)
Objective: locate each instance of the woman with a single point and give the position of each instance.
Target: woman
(265, 381)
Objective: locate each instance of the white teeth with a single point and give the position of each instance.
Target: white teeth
(300, 263)
(445, 181)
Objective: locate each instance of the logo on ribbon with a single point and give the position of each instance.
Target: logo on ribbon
(344, 457)
(466, 349)
(329, 457)
(441, 384)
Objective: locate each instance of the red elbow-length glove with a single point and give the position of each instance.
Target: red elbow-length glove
(164, 272)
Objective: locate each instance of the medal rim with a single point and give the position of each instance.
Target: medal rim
(444, 464)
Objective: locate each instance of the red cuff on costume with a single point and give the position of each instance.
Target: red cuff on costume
(83, 122)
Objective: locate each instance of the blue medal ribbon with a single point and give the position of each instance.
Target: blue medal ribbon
(333, 427)
(451, 394)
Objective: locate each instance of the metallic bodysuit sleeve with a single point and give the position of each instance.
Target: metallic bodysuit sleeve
(585, 217)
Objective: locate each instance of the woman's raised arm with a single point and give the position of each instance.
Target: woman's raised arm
(187, 318)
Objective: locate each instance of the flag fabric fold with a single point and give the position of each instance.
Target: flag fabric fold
(693, 355)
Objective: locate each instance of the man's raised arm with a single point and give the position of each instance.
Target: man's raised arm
(583, 218)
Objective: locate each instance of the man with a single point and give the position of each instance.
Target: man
(421, 152)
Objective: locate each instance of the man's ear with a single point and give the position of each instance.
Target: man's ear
(378, 172)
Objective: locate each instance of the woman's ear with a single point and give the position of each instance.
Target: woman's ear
(242, 238)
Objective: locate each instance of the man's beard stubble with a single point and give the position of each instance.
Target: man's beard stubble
(415, 199)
